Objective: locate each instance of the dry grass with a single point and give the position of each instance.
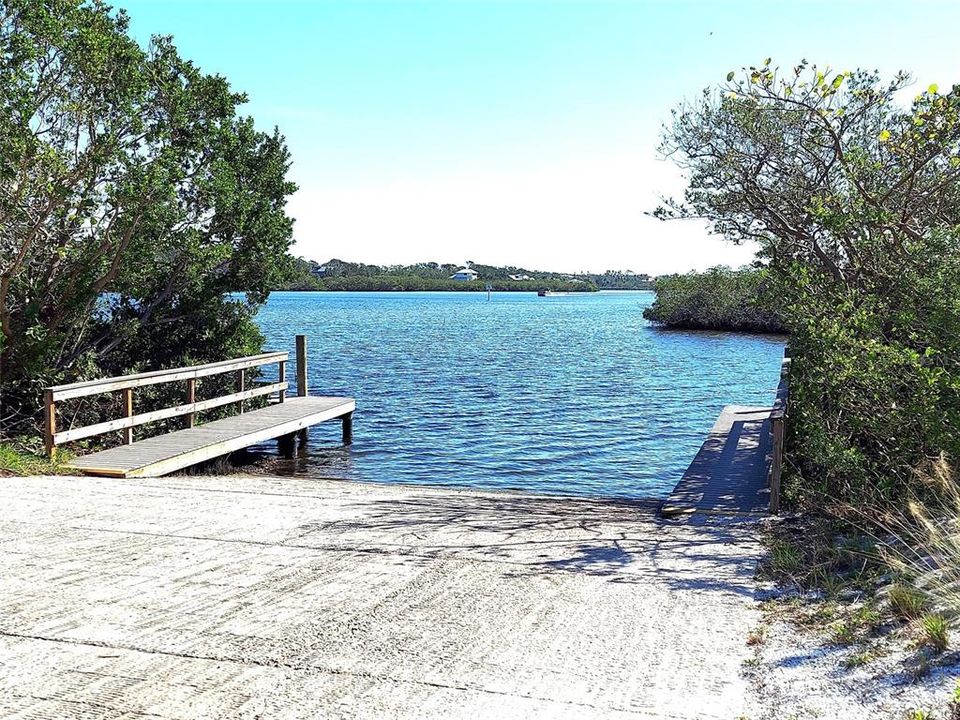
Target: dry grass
(924, 548)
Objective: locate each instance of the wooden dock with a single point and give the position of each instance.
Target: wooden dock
(195, 443)
(166, 453)
(730, 473)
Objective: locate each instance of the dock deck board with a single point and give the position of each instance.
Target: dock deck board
(729, 474)
(173, 451)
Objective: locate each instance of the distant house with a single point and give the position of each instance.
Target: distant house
(465, 274)
(520, 277)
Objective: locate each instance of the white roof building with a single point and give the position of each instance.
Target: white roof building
(465, 274)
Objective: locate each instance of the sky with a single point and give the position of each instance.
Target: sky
(517, 132)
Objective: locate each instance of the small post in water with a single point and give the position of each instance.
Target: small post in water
(348, 429)
(302, 365)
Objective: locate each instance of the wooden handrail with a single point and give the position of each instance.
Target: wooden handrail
(133, 421)
(94, 387)
(127, 383)
(777, 427)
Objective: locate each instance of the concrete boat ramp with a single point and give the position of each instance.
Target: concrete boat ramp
(251, 597)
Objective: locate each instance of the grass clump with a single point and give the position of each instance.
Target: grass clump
(906, 601)
(18, 462)
(936, 632)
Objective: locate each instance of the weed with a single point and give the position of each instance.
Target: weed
(918, 715)
(785, 558)
(857, 659)
(906, 601)
(757, 636)
(843, 633)
(936, 632)
(954, 705)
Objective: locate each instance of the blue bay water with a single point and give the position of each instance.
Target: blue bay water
(572, 394)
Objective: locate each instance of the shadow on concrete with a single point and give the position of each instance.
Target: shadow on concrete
(619, 541)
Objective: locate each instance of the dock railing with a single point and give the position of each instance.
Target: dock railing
(126, 385)
(777, 419)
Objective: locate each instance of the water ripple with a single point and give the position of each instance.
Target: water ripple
(574, 394)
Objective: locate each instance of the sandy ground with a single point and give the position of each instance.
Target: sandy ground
(252, 597)
(801, 675)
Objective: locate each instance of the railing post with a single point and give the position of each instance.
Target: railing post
(49, 422)
(282, 377)
(128, 412)
(191, 399)
(776, 463)
(302, 365)
(242, 382)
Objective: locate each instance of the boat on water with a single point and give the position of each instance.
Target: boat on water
(550, 293)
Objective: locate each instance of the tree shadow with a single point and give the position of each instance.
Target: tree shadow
(620, 541)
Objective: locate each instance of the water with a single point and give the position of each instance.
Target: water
(573, 394)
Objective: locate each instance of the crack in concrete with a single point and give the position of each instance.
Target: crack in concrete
(304, 668)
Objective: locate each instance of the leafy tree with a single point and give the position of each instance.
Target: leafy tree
(719, 299)
(133, 200)
(853, 201)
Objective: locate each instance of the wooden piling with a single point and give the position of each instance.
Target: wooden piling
(281, 378)
(348, 429)
(302, 390)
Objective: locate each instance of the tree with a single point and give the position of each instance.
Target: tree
(853, 200)
(133, 200)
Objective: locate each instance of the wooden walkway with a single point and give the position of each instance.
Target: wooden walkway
(166, 453)
(729, 474)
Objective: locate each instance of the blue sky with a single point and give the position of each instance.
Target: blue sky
(519, 133)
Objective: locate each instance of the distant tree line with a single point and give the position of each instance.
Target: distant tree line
(342, 275)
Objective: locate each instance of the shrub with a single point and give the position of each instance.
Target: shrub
(719, 299)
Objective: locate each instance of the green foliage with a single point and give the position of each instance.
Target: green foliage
(340, 275)
(906, 601)
(134, 200)
(936, 632)
(17, 462)
(719, 299)
(854, 201)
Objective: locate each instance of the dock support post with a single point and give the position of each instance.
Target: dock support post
(348, 429)
(301, 365)
(286, 445)
(128, 412)
(191, 399)
(776, 463)
(49, 422)
(281, 378)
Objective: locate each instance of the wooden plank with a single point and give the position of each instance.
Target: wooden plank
(95, 387)
(166, 453)
(302, 390)
(143, 418)
(128, 413)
